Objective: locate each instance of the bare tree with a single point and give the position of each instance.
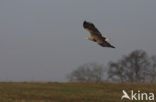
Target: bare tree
(153, 69)
(89, 72)
(131, 68)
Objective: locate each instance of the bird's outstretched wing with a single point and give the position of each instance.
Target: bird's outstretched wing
(91, 28)
(104, 43)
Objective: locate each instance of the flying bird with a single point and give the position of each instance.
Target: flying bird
(96, 36)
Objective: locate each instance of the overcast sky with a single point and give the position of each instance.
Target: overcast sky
(43, 40)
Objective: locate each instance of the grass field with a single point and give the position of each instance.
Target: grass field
(68, 92)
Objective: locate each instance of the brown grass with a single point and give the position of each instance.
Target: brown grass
(67, 92)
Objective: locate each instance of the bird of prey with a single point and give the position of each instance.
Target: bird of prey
(96, 36)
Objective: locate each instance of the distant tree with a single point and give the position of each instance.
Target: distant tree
(131, 68)
(89, 72)
(153, 69)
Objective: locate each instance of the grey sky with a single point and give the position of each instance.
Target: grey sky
(43, 40)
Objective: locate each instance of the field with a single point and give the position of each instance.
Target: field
(68, 92)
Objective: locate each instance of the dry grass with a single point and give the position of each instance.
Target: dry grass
(67, 92)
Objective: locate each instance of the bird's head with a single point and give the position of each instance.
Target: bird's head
(90, 38)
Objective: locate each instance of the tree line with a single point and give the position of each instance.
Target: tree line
(136, 67)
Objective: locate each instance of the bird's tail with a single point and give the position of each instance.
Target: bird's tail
(107, 38)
